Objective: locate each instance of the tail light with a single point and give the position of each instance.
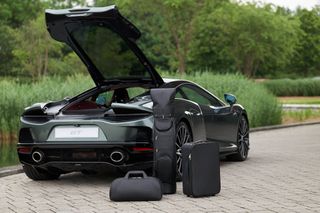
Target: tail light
(142, 149)
(24, 150)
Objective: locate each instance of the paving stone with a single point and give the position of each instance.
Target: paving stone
(282, 174)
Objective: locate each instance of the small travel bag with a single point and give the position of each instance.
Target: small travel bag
(200, 169)
(135, 186)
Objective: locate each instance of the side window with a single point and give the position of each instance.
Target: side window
(197, 95)
(179, 94)
(135, 91)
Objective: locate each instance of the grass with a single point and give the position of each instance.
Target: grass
(290, 87)
(15, 97)
(261, 105)
(299, 100)
(8, 155)
(300, 116)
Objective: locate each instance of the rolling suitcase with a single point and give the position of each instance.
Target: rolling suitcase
(200, 169)
(135, 186)
(164, 138)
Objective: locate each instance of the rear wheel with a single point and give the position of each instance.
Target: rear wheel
(183, 135)
(39, 174)
(243, 141)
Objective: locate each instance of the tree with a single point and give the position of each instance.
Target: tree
(7, 44)
(307, 53)
(34, 46)
(15, 13)
(245, 36)
(60, 4)
(168, 25)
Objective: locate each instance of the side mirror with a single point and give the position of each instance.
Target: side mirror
(230, 99)
(101, 100)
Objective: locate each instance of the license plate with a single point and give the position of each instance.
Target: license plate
(76, 132)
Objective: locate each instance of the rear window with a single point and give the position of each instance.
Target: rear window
(108, 51)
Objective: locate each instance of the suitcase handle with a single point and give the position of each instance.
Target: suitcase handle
(135, 174)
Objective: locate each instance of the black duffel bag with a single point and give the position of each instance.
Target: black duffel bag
(135, 186)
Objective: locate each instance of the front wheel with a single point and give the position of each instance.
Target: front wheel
(39, 174)
(183, 135)
(243, 141)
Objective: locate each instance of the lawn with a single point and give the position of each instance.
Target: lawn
(308, 115)
(299, 100)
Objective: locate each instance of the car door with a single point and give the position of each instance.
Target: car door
(220, 121)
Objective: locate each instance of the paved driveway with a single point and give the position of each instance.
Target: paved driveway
(281, 175)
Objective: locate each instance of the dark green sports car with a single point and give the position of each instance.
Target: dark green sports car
(112, 123)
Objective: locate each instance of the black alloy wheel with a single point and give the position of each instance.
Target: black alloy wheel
(183, 135)
(243, 141)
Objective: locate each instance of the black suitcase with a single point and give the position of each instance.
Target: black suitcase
(164, 138)
(135, 186)
(200, 169)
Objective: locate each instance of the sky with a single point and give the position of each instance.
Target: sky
(291, 4)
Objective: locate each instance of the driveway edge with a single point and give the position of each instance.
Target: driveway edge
(265, 128)
(12, 170)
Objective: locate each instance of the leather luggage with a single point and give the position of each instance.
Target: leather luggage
(200, 169)
(164, 138)
(135, 186)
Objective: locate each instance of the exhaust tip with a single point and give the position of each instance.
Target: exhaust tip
(37, 156)
(117, 156)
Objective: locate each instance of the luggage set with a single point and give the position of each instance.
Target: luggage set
(200, 161)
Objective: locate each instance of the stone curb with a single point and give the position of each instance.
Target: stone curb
(265, 128)
(12, 170)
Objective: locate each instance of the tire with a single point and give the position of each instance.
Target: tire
(242, 141)
(183, 135)
(39, 174)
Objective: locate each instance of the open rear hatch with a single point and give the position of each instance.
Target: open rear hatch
(106, 43)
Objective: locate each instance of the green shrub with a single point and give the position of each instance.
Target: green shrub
(297, 87)
(15, 97)
(261, 105)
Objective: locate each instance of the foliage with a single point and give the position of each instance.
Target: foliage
(8, 154)
(300, 115)
(7, 43)
(262, 107)
(290, 87)
(14, 13)
(244, 37)
(14, 96)
(35, 60)
(177, 35)
(307, 55)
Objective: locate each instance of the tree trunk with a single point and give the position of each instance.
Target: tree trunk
(179, 51)
(182, 64)
(247, 68)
